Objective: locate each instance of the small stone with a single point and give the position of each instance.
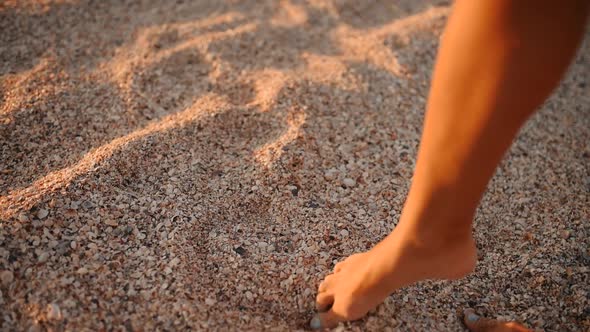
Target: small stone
(6, 277)
(174, 262)
(54, 312)
(70, 213)
(210, 301)
(43, 257)
(240, 251)
(52, 203)
(146, 294)
(312, 204)
(82, 270)
(294, 190)
(349, 182)
(131, 291)
(565, 234)
(111, 222)
(331, 174)
(315, 323)
(87, 205)
(344, 233)
(35, 327)
(63, 247)
(23, 217)
(41, 214)
(249, 295)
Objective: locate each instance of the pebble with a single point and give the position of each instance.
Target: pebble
(70, 213)
(331, 174)
(210, 301)
(41, 214)
(87, 205)
(63, 247)
(6, 277)
(349, 182)
(35, 327)
(240, 251)
(54, 312)
(565, 234)
(344, 233)
(43, 257)
(111, 222)
(174, 262)
(312, 204)
(23, 218)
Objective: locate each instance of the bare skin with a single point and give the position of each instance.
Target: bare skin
(498, 61)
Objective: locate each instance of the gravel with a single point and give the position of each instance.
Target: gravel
(202, 165)
(6, 277)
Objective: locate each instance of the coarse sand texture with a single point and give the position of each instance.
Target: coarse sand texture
(201, 165)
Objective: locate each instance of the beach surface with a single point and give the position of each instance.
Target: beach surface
(174, 165)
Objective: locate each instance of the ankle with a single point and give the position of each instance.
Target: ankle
(450, 251)
(437, 217)
(437, 234)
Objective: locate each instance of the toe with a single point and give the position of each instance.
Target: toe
(324, 302)
(325, 284)
(338, 267)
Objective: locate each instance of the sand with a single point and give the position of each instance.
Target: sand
(202, 165)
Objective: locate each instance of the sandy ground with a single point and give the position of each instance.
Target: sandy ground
(202, 164)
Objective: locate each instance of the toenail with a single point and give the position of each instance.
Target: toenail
(472, 317)
(315, 323)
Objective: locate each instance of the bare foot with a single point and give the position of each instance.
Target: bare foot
(474, 323)
(363, 281)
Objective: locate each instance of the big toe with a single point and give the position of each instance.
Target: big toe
(324, 302)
